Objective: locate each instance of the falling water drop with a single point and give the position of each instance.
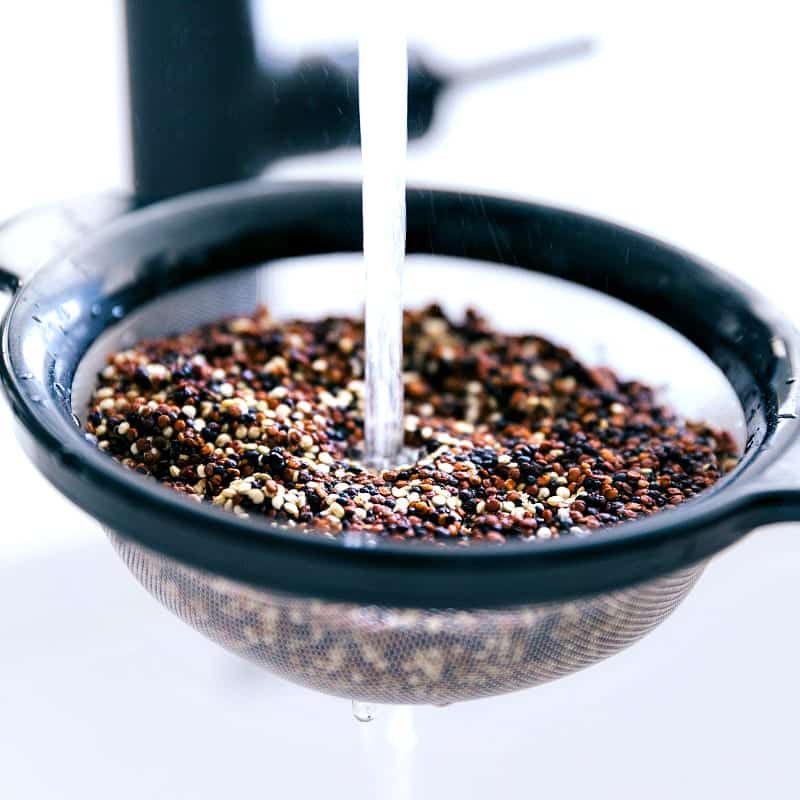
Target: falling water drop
(118, 312)
(364, 712)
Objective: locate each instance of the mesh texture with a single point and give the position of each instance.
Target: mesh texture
(393, 655)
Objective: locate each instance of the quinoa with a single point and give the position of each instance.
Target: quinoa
(514, 437)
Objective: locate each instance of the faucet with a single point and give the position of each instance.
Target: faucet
(206, 108)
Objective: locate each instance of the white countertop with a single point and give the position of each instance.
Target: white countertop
(684, 124)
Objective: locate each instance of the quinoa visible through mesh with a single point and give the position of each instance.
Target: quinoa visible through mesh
(516, 438)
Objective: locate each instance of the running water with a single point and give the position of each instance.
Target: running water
(382, 94)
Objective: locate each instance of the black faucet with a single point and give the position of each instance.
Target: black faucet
(206, 109)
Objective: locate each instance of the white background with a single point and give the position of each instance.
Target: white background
(684, 123)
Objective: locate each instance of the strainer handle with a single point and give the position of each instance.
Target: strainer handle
(774, 494)
(31, 239)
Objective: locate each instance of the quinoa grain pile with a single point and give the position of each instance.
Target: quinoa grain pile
(515, 437)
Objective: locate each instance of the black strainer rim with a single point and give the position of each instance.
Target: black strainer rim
(416, 575)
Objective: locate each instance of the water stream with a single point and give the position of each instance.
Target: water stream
(383, 91)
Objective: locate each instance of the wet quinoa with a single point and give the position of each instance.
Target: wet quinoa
(515, 438)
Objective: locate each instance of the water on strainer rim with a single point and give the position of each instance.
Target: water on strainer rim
(383, 90)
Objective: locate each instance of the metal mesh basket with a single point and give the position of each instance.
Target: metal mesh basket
(382, 654)
(391, 655)
(372, 620)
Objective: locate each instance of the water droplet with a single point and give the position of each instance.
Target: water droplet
(778, 347)
(118, 312)
(36, 398)
(60, 390)
(76, 421)
(27, 376)
(37, 319)
(96, 310)
(364, 712)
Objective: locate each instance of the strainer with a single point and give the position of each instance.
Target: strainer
(360, 616)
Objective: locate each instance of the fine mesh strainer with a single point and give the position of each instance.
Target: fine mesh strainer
(360, 616)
